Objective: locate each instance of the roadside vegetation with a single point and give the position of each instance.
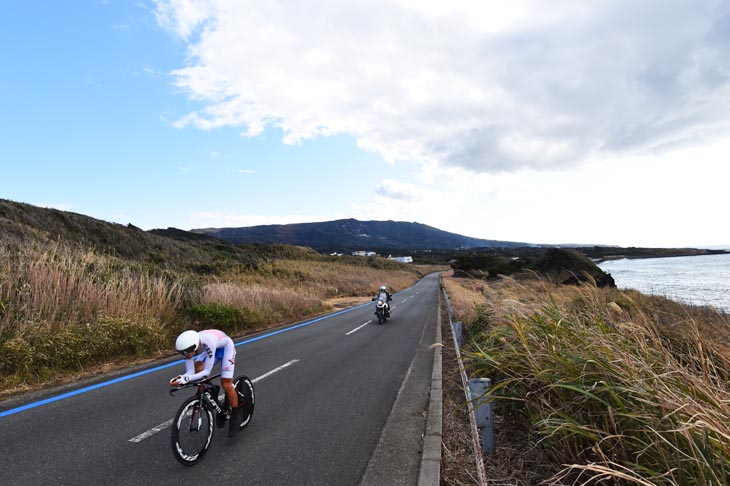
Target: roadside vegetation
(78, 295)
(606, 386)
(66, 309)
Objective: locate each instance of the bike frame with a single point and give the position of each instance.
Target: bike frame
(203, 391)
(203, 385)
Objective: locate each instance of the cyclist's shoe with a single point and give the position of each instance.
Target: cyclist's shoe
(235, 424)
(220, 419)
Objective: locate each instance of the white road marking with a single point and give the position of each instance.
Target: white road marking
(275, 370)
(164, 425)
(358, 328)
(403, 301)
(151, 432)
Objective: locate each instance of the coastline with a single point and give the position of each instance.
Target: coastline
(695, 281)
(602, 254)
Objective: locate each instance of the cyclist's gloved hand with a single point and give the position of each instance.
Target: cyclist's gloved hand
(180, 380)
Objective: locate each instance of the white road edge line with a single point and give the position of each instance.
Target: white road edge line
(163, 426)
(358, 328)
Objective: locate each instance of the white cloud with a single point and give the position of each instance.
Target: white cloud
(152, 72)
(432, 204)
(589, 122)
(391, 190)
(672, 200)
(476, 85)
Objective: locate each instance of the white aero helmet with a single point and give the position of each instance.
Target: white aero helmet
(187, 342)
(383, 288)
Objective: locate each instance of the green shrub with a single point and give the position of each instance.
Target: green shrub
(571, 267)
(475, 330)
(226, 318)
(16, 356)
(487, 265)
(74, 348)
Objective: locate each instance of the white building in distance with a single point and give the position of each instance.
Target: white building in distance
(402, 259)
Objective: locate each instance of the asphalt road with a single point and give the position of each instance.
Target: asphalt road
(340, 401)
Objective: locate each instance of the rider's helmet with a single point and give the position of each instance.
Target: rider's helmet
(187, 342)
(383, 288)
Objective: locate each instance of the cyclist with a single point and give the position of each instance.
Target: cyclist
(384, 295)
(201, 351)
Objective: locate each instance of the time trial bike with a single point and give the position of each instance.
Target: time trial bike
(192, 428)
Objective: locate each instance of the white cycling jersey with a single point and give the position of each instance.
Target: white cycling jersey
(216, 346)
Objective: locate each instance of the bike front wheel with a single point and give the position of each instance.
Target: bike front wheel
(192, 431)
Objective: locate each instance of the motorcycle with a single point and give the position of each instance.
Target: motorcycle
(381, 310)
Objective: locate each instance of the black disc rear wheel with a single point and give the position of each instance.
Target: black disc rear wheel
(246, 398)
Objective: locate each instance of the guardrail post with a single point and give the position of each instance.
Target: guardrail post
(478, 387)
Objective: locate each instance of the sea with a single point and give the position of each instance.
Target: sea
(697, 280)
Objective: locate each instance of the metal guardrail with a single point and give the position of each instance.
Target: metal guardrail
(471, 399)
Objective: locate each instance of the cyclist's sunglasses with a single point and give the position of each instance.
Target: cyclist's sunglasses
(186, 352)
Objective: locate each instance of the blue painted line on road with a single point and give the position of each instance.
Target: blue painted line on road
(83, 390)
(162, 367)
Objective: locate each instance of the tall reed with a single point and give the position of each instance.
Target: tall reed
(272, 304)
(59, 285)
(617, 387)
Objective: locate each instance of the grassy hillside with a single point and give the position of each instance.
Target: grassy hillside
(606, 386)
(175, 250)
(77, 294)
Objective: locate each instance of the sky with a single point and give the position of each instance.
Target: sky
(557, 122)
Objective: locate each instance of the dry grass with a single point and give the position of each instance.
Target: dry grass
(59, 286)
(273, 304)
(616, 387)
(324, 280)
(465, 296)
(64, 308)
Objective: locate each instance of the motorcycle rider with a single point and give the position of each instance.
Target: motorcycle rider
(384, 295)
(201, 351)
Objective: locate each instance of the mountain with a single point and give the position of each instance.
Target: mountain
(351, 234)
